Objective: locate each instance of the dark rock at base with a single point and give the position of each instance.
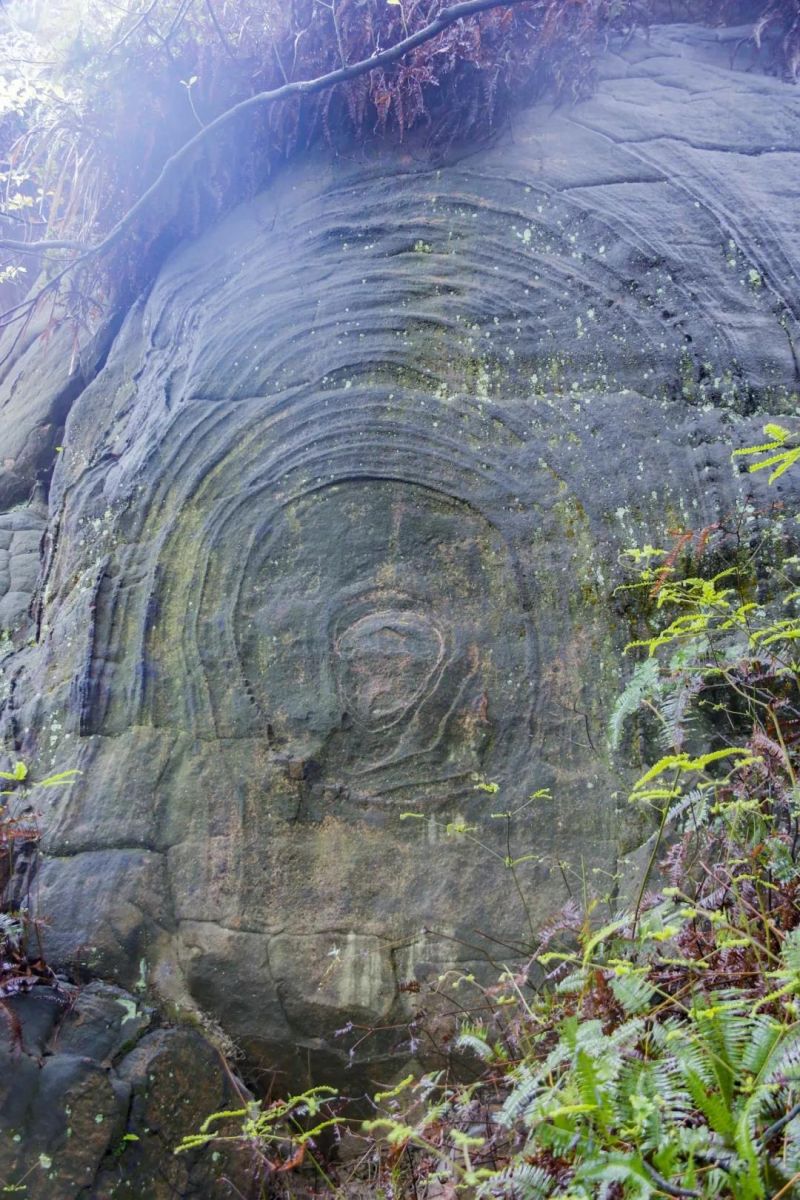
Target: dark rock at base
(96, 1098)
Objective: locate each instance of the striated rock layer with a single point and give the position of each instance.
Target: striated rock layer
(334, 535)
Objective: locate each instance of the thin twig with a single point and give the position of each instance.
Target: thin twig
(176, 21)
(221, 32)
(330, 4)
(652, 860)
(142, 18)
(787, 1187)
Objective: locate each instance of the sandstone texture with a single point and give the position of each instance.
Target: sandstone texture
(335, 532)
(94, 1097)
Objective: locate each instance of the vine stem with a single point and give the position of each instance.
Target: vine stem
(652, 859)
(512, 867)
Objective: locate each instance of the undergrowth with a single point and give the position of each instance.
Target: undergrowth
(655, 1053)
(22, 963)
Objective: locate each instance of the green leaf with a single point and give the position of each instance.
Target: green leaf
(56, 780)
(19, 773)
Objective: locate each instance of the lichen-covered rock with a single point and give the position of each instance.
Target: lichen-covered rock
(42, 372)
(21, 533)
(95, 1099)
(335, 532)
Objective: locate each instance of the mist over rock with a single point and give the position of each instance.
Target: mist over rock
(334, 536)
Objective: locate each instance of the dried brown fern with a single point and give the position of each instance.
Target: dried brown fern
(125, 93)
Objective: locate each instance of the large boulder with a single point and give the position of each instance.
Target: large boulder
(95, 1097)
(334, 537)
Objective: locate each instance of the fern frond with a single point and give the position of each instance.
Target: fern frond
(633, 992)
(474, 1039)
(765, 1035)
(676, 712)
(519, 1182)
(784, 1061)
(642, 685)
(525, 1090)
(621, 1169)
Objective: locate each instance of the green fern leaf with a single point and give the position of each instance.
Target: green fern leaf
(642, 685)
(633, 992)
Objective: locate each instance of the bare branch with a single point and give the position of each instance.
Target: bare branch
(775, 1129)
(38, 247)
(303, 87)
(140, 21)
(175, 164)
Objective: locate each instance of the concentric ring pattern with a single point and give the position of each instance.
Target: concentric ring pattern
(335, 536)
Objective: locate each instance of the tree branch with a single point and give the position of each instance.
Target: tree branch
(305, 87)
(140, 21)
(229, 50)
(38, 247)
(671, 1189)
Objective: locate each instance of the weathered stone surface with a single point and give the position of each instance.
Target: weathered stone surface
(21, 533)
(41, 374)
(175, 1080)
(94, 1102)
(335, 531)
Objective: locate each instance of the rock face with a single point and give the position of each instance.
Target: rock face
(95, 1098)
(334, 536)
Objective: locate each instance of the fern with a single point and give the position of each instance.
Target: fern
(676, 712)
(524, 1090)
(764, 1035)
(574, 982)
(633, 992)
(615, 1168)
(520, 1182)
(659, 1055)
(643, 685)
(780, 453)
(474, 1038)
(784, 1061)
